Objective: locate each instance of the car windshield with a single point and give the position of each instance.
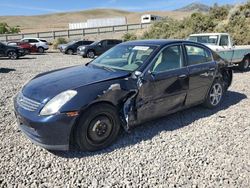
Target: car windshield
(124, 57)
(96, 42)
(206, 39)
(72, 42)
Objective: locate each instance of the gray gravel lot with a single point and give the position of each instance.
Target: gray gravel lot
(193, 148)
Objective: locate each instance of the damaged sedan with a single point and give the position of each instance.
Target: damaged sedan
(86, 106)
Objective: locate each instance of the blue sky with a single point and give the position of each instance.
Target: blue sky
(36, 7)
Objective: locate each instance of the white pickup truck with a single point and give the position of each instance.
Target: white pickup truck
(223, 44)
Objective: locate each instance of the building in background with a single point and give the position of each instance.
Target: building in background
(99, 22)
(148, 18)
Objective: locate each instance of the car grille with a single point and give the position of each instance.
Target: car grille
(26, 103)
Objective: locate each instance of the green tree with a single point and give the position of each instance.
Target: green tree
(6, 29)
(129, 36)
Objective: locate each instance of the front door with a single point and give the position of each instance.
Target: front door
(201, 69)
(101, 47)
(166, 88)
(225, 49)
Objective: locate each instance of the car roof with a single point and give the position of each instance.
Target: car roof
(207, 34)
(33, 38)
(157, 42)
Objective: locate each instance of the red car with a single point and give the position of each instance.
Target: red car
(28, 48)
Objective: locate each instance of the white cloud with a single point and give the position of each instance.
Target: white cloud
(30, 8)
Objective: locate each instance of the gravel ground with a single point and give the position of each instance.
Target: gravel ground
(193, 148)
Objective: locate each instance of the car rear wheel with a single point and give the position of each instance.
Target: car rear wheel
(40, 49)
(70, 52)
(91, 54)
(215, 95)
(97, 128)
(244, 65)
(12, 55)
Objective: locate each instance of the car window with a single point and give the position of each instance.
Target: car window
(12, 44)
(104, 43)
(87, 42)
(25, 40)
(33, 40)
(112, 42)
(211, 39)
(168, 59)
(43, 40)
(78, 43)
(224, 40)
(197, 55)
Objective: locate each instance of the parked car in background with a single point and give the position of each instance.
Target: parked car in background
(222, 43)
(132, 83)
(97, 48)
(71, 47)
(41, 44)
(12, 52)
(28, 48)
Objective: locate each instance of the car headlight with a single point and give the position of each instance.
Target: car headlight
(54, 105)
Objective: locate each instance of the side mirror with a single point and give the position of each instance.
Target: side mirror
(99, 44)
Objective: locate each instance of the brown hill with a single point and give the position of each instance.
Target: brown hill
(60, 21)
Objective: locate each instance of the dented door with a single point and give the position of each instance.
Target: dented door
(165, 88)
(165, 93)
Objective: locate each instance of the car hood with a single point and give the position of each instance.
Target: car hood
(13, 47)
(48, 85)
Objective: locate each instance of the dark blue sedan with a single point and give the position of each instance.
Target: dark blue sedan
(86, 106)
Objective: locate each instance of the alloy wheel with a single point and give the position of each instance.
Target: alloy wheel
(91, 54)
(12, 55)
(216, 94)
(40, 50)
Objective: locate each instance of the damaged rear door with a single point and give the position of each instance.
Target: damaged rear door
(165, 87)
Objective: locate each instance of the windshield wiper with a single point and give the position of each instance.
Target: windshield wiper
(104, 67)
(108, 68)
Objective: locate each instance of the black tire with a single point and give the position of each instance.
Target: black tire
(40, 49)
(13, 55)
(244, 65)
(91, 54)
(98, 128)
(70, 52)
(215, 95)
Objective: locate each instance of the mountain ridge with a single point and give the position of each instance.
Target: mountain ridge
(195, 7)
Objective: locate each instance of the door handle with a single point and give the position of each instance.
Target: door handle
(183, 76)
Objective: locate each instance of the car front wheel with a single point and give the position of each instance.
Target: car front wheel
(70, 52)
(97, 128)
(91, 54)
(12, 55)
(215, 95)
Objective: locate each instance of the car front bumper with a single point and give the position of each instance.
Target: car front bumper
(50, 132)
(81, 53)
(21, 53)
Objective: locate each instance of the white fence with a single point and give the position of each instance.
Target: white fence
(101, 22)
